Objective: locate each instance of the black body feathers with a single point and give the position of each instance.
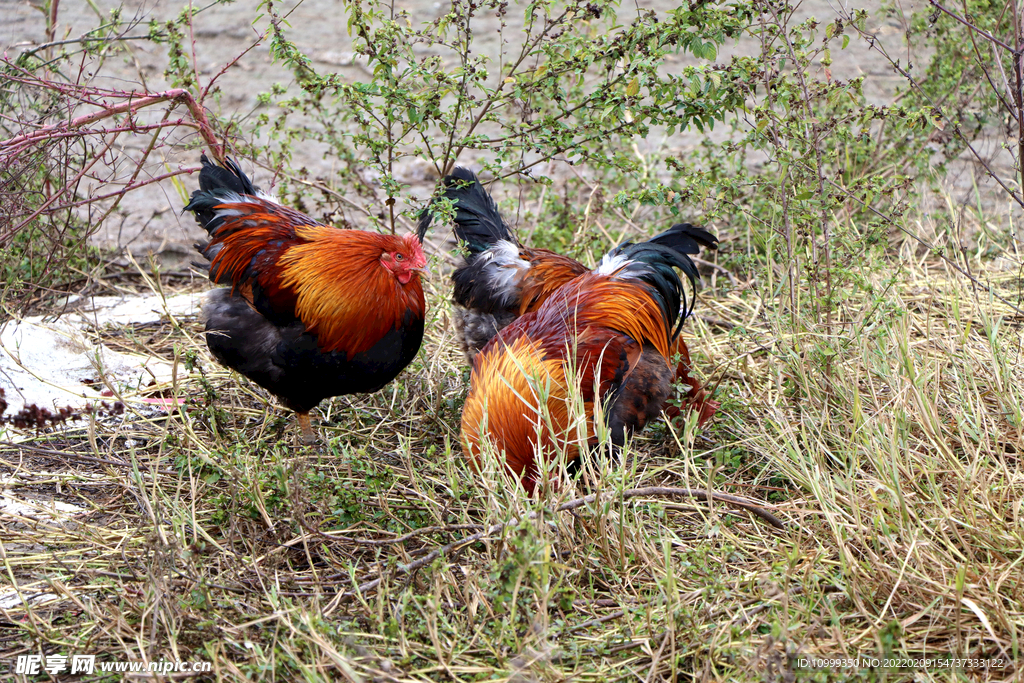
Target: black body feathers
(287, 361)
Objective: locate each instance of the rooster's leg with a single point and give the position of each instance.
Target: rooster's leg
(308, 435)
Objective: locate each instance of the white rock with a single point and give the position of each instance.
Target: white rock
(51, 363)
(12, 599)
(44, 511)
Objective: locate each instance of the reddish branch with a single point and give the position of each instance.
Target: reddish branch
(107, 104)
(133, 102)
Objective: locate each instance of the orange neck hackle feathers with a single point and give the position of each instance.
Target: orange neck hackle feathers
(548, 271)
(331, 263)
(349, 287)
(505, 404)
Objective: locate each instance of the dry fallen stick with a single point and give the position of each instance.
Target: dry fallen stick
(664, 491)
(340, 534)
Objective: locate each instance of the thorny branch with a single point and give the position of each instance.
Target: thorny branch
(131, 104)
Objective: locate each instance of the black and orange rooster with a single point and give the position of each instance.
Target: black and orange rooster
(500, 280)
(312, 311)
(610, 332)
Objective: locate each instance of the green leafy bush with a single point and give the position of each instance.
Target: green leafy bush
(574, 85)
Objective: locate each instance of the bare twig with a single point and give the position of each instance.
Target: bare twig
(133, 102)
(68, 455)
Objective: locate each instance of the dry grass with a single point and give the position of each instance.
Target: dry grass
(894, 460)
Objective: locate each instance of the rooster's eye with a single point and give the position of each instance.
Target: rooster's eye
(399, 257)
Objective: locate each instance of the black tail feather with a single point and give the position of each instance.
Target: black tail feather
(228, 177)
(655, 264)
(686, 239)
(214, 183)
(477, 220)
(660, 255)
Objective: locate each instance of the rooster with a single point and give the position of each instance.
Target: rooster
(311, 311)
(500, 280)
(610, 332)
